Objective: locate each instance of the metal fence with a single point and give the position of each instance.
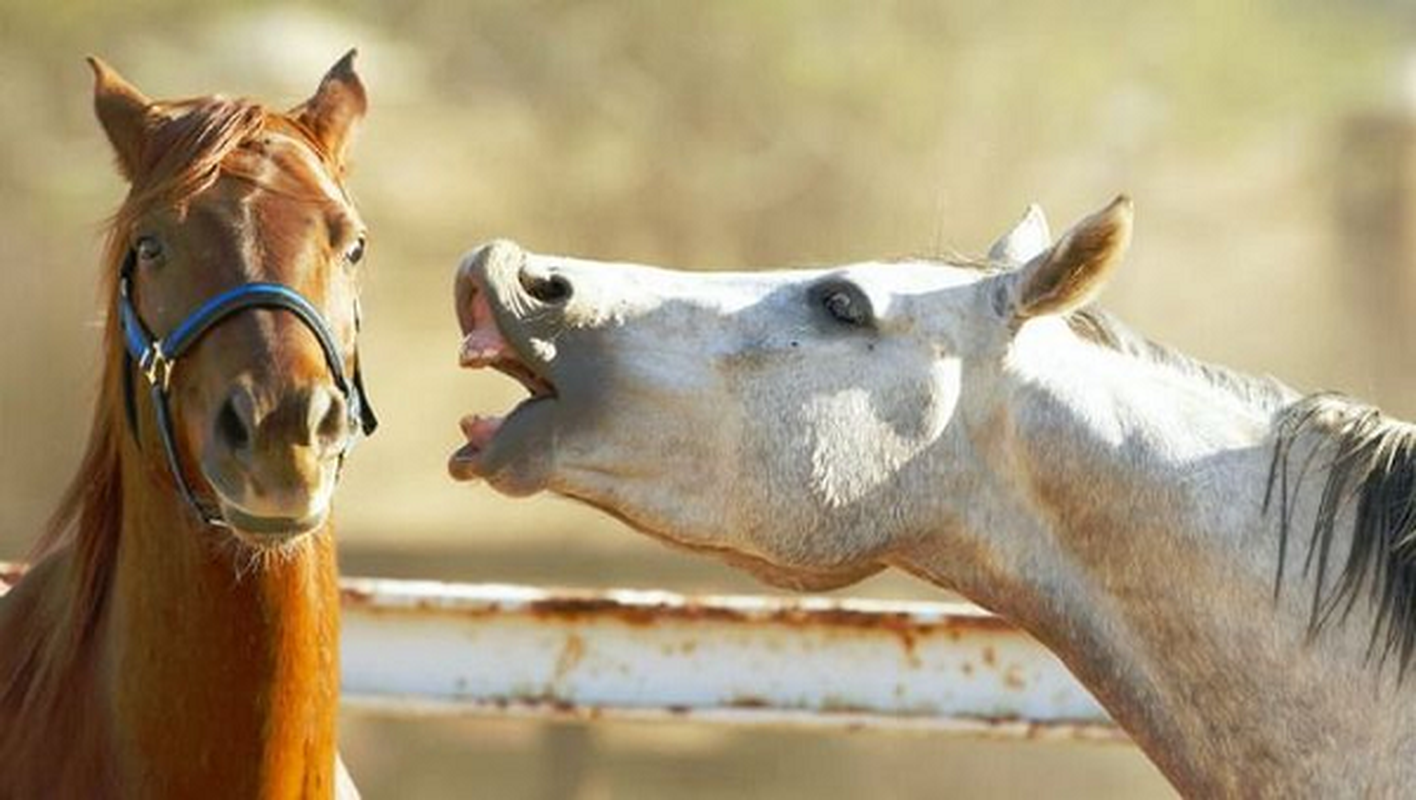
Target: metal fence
(419, 647)
(424, 647)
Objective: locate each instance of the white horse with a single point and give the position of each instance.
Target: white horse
(1228, 565)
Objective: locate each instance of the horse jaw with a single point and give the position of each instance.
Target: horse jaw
(725, 413)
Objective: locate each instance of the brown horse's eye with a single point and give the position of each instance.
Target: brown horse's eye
(355, 254)
(149, 249)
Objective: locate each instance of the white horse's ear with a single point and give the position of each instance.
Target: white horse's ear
(1027, 239)
(1069, 274)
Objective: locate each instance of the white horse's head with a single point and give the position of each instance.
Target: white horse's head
(803, 424)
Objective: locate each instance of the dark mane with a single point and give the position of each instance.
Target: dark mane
(1370, 460)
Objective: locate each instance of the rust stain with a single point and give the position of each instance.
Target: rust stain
(543, 701)
(990, 658)
(349, 596)
(581, 606)
(851, 716)
(908, 639)
(683, 648)
(575, 606)
(589, 607)
(837, 705)
(1013, 678)
(1052, 730)
(570, 655)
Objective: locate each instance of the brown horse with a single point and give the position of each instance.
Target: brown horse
(178, 635)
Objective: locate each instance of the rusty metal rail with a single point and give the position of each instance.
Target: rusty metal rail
(437, 648)
(421, 647)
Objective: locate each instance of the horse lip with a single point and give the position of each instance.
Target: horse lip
(270, 531)
(524, 364)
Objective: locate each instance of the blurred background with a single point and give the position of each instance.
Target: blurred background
(1269, 145)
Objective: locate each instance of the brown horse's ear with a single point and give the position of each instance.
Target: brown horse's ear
(1070, 273)
(336, 107)
(126, 114)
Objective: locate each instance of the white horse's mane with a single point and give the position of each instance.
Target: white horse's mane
(1369, 459)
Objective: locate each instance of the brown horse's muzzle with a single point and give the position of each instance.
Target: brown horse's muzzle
(269, 454)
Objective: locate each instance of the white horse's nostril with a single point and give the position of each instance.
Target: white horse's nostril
(544, 284)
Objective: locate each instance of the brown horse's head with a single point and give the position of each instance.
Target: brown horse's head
(226, 193)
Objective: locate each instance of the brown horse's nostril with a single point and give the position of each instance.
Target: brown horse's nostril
(331, 423)
(544, 285)
(233, 427)
(314, 417)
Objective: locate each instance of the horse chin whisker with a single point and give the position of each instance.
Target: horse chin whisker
(265, 558)
(249, 557)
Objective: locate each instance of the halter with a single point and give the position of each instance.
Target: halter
(156, 358)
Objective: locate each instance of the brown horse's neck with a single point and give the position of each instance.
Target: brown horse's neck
(222, 675)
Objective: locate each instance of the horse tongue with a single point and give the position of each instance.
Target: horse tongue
(482, 343)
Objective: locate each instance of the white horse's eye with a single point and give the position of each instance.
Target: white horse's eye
(841, 307)
(846, 304)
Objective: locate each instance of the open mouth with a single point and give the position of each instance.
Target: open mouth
(484, 346)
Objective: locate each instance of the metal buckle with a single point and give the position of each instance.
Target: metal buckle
(156, 366)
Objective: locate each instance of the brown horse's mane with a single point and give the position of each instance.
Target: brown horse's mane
(188, 149)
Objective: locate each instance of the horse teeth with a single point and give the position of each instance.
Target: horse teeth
(482, 342)
(480, 348)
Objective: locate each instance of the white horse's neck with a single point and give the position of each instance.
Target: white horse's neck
(1125, 526)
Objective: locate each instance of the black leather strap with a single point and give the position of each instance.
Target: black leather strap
(156, 358)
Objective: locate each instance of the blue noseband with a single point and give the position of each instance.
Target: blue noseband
(156, 358)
